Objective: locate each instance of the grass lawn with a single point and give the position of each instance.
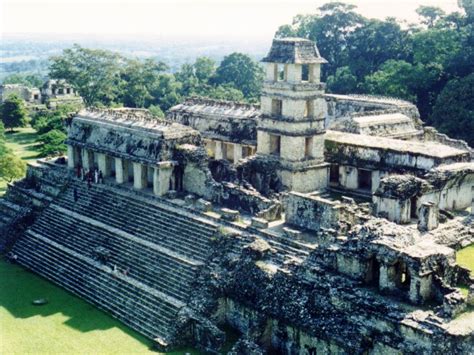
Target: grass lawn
(66, 325)
(23, 144)
(465, 257)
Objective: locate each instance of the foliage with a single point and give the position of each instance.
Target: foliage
(46, 120)
(13, 112)
(242, 72)
(413, 63)
(199, 79)
(94, 73)
(156, 111)
(52, 143)
(453, 112)
(3, 147)
(11, 167)
(29, 80)
(343, 82)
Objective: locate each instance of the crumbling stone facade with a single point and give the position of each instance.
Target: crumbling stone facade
(314, 223)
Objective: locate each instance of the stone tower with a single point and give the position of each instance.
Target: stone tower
(291, 128)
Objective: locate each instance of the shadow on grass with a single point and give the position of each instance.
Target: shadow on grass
(20, 287)
(22, 138)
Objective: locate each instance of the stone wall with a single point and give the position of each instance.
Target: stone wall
(311, 212)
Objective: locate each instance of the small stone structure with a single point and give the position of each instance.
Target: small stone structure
(29, 95)
(313, 223)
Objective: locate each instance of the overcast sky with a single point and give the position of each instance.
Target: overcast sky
(239, 18)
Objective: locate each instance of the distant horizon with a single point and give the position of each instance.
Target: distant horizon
(237, 20)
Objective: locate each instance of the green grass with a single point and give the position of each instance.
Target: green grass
(66, 325)
(22, 141)
(465, 257)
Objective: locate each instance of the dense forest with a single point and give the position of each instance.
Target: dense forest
(429, 63)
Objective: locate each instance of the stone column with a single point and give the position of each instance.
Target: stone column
(87, 159)
(139, 176)
(71, 157)
(387, 277)
(237, 152)
(428, 216)
(219, 150)
(472, 201)
(420, 288)
(161, 178)
(121, 170)
(103, 163)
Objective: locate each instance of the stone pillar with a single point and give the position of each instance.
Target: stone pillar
(428, 216)
(103, 163)
(293, 73)
(139, 176)
(387, 277)
(87, 159)
(472, 201)
(71, 157)
(219, 150)
(237, 152)
(121, 170)
(161, 178)
(420, 288)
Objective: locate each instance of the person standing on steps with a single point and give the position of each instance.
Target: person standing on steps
(96, 176)
(89, 179)
(101, 177)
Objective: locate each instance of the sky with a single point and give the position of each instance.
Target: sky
(171, 18)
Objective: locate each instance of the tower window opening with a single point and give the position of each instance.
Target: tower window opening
(282, 71)
(309, 109)
(275, 142)
(308, 147)
(276, 107)
(305, 72)
(334, 174)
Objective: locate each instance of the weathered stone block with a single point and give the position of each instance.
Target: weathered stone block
(230, 215)
(203, 205)
(259, 223)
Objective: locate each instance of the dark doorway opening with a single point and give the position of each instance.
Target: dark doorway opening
(365, 179)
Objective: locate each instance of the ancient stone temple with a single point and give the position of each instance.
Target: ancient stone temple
(312, 224)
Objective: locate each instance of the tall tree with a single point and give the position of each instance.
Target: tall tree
(94, 73)
(430, 15)
(13, 112)
(453, 112)
(244, 73)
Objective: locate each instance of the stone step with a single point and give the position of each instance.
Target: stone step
(146, 264)
(155, 235)
(43, 256)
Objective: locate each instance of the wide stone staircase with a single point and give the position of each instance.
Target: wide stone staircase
(133, 256)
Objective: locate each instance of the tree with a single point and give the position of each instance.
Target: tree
(395, 78)
(430, 15)
(3, 146)
(204, 69)
(453, 112)
(156, 111)
(13, 112)
(11, 167)
(244, 73)
(374, 43)
(30, 80)
(343, 82)
(52, 143)
(94, 73)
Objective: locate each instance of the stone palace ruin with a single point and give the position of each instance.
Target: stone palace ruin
(311, 224)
